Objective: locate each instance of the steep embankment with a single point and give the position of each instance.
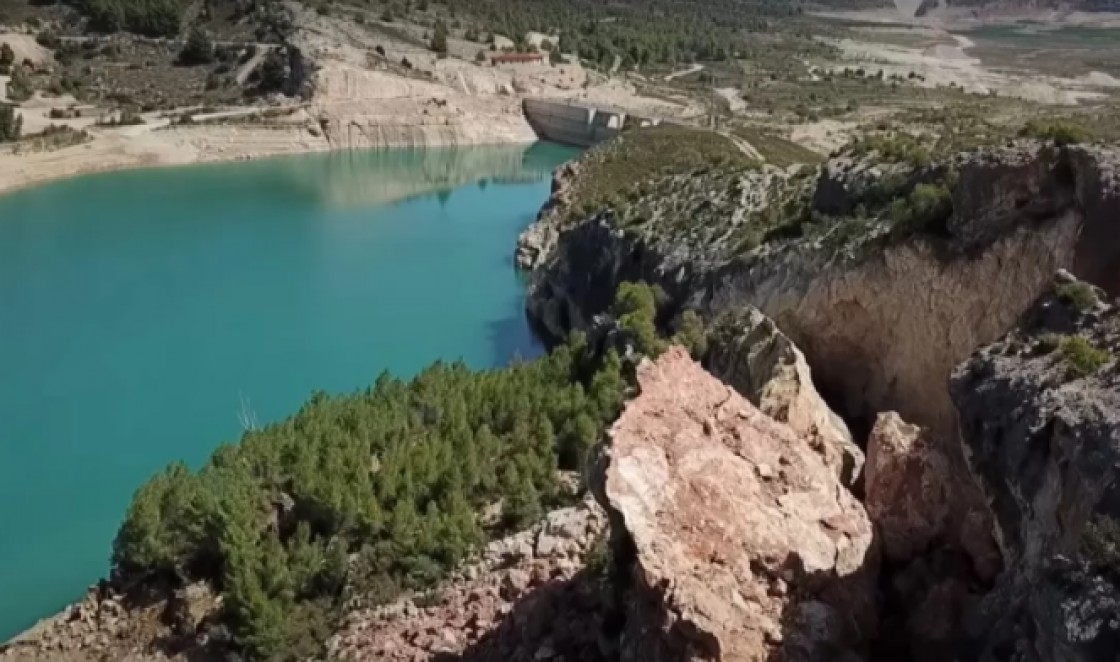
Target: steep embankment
(884, 298)
(1040, 417)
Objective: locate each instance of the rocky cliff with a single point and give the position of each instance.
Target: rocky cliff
(1040, 419)
(882, 309)
(732, 540)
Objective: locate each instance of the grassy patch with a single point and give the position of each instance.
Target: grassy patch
(1078, 295)
(1082, 357)
(1060, 132)
(777, 150)
(631, 160)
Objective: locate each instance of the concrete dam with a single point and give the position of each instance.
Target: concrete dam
(573, 123)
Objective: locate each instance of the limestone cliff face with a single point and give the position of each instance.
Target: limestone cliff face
(1040, 420)
(733, 540)
(359, 108)
(884, 326)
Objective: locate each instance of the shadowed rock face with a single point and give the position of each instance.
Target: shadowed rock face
(736, 542)
(882, 327)
(747, 351)
(911, 495)
(1044, 441)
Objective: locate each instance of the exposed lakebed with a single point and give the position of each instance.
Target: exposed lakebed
(146, 316)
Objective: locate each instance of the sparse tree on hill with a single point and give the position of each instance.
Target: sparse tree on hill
(439, 38)
(198, 49)
(11, 124)
(7, 58)
(20, 86)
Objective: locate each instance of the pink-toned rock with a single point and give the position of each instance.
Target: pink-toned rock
(917, 500)
(746, 546)
(906, 484)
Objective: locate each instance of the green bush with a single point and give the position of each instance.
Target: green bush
(7, 58)
(635, 307)
(11, 124)
(927, 206)
(20, 85)
(1079, 295)
(691, 334)
(1060, 132)
(1082, 357)
(439, 38)
(152, 18)
(198, 49)
(394, 474)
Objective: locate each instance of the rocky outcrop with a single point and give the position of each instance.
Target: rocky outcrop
(538, 240)
(528, 598)
(108, 626)
(1040, 419)
(910, 493)
(883, 322)
(747, 351)
(731, 537)
(882, 313)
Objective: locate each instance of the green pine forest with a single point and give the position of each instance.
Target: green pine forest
(369, 494)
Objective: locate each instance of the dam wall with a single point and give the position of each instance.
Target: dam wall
(579, 124)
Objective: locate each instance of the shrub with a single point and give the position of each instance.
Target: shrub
(48, 39)
(635, 307)
(1078, 295)
(691, 334)
(1082, 357)
(152, 18)
(927, 206)
(1049, 343)
(274, 71)
(198, 49)
(1060, 132)
(7, 57)
(439, 38)
(380, 50)
(20, 86)
(480, 57)
(11, 124)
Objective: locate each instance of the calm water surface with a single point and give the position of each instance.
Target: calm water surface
(141, 312)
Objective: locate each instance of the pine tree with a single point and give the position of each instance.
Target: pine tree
(439, 38)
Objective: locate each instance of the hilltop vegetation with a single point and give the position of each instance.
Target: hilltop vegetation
(368, 494)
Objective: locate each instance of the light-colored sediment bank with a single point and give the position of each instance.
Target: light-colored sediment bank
(149, 146)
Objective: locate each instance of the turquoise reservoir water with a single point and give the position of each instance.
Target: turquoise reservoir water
(141, 312)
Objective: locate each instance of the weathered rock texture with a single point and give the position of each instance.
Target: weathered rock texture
(910, 493)
(109, 627)
(1044, 442)
(882, 326)
(883, 318)
(734, 540)
(528, 598)
(747, 351)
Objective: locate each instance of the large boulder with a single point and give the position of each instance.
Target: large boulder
(1040, 420)
(749, 352)
(732, 539)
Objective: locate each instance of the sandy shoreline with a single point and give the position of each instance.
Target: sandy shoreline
(178, 146)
